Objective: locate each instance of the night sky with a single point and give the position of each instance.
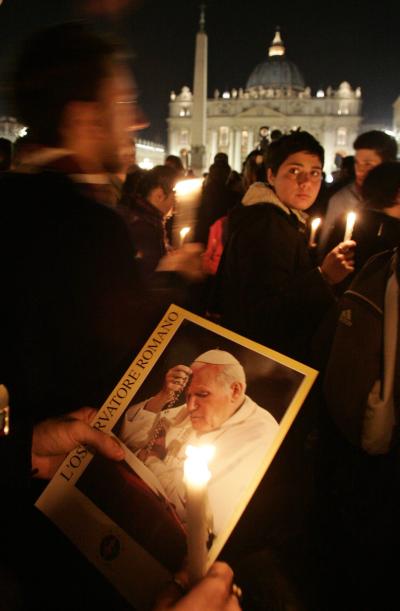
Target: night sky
(344, 42)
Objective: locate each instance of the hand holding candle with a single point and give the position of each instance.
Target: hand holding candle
(196, 478)
(338, 263)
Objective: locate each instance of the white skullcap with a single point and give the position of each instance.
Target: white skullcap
(217, 357)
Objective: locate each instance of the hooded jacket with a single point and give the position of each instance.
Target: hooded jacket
(268, 288)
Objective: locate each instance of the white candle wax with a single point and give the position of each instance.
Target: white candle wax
(350, 221)
(196, 477)
(315, 223)
(187, 195)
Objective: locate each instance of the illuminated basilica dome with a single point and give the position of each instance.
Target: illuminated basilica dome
(277, 71)
(275, 97)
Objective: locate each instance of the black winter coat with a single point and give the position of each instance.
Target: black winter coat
(269, 289)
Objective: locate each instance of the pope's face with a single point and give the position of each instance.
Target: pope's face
(298, 180)
(210, 400)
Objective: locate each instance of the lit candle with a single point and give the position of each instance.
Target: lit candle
(188, 187)
(187, 194)
(183, 233)
(315, 223)
(4, 411)
(196, 478)
(351, 219)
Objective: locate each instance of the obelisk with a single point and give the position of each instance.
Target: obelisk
(199, 118)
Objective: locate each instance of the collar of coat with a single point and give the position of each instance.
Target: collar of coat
(261, 193)
(60, 160)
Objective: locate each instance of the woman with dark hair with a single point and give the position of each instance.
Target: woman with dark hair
(253, 168)
(145, 209)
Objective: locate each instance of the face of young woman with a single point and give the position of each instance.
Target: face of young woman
(298, 180)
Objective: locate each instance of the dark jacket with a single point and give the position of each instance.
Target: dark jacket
(73, 314)
(356, 357)
(72, 317)
(217, 198)
(268, 288)
(147, 227)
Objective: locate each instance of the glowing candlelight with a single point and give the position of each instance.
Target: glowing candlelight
(351, 219)
(188, 187)
(4, 411)
(196, 478)
(183, 233)
(315, 223)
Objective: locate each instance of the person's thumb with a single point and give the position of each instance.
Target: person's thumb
(101, 443)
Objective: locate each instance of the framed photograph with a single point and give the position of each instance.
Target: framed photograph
(194, 384)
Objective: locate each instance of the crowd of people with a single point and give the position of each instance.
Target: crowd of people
(87, 270)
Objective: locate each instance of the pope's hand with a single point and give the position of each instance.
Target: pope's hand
(174, 382)
(176, 379)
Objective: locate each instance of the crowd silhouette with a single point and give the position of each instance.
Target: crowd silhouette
(88, 267)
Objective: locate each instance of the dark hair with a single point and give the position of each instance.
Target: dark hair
(254, 169)
(275, 134)
(160, 176)
(384, 145)
(218, 172)
(381, 186)
(221, 158)
(347, 165)
(174, 162)
(130, 187)
(288, 144)
(5, 154)
(64, 63)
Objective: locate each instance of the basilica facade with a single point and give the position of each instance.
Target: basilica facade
(275, 97)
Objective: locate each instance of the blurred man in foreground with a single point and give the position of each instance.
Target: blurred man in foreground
(75, 313)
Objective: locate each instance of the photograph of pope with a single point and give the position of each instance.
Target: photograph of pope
(216, 411)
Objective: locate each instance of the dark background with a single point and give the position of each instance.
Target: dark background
(329, 42)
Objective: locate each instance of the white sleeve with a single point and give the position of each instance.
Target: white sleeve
(238, 458)
(136, 425)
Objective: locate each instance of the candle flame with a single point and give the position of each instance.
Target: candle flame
(196, 470)
(188, 186)
(315, 223)
(350, 221)
(183, 232)
(351, 218)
